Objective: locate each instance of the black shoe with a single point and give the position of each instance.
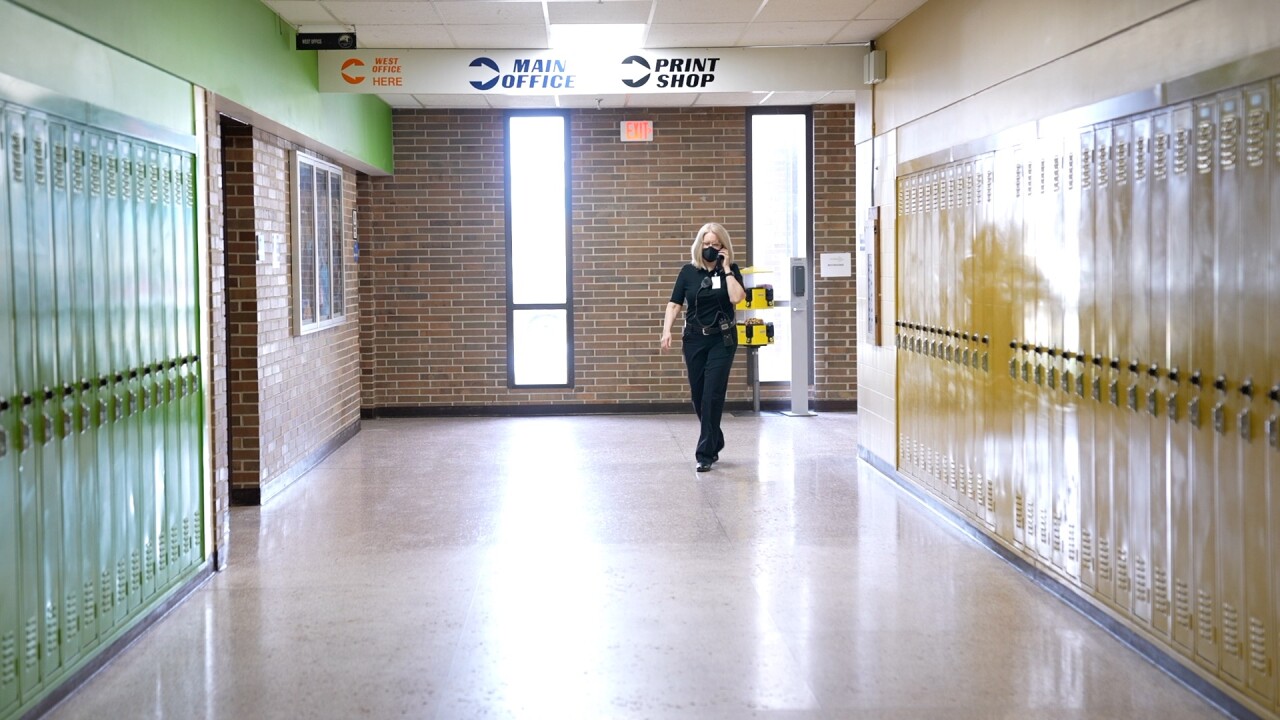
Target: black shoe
(704, 466)
(715, 458)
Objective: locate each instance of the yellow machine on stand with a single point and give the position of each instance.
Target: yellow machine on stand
(754, 332)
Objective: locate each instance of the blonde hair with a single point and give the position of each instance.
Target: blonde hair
(695, 250)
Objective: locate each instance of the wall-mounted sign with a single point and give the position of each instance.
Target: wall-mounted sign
(325, 41)
(550, 72)
(637, 130)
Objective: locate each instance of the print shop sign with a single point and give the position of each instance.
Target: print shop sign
(545, 72)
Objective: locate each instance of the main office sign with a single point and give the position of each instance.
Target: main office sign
(548, 72)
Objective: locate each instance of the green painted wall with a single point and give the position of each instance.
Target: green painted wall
(39, 52)
(240, 50)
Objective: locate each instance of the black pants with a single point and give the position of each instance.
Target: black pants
(708, 362)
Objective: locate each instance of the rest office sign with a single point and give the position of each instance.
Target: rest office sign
(548, 72)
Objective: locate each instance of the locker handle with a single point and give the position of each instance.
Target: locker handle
(1275, 393)
(1173, 374)
(48, 393)
(1195, 378)
(85, 385)
(1220, 418)
(1154, 371)
(1068, 355)
(1245, 418)
(1172, 402)
(986, 339)
(1133, 366)
(1273, 431)
(1220, 383)
(1115, 363)
(1246, 388)
(67, 390)
(1097, 360)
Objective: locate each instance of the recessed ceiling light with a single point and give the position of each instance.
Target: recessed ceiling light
(584, 36)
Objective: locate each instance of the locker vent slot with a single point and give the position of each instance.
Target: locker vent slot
(1019, 511)
(148, 562)
(1162, 590)
(1182, 152)
(1140, 579)
(1258, 658)
(90, 609)
(31, 643)
(50, 627)
(60, 166)
(1256, 138)
(1228, 153)
(122, 581)
(991, 496)
(105, 598)
(1204, 614)
(1104, 558)
(1160, 160)
(8, 659)
(37, 146)
(1122, 569)
(1182, 603)
(1204, 147)
(71, 614)
(1231, 630)
(1122, 164)
(1086, 550)
(1073, 554)
(17, 169)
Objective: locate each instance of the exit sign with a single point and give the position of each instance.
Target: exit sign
(637, 131)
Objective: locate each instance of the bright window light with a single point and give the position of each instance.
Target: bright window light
(578, 37)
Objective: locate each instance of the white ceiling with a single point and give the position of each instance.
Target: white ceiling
(501, 24)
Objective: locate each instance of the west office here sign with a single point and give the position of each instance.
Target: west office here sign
(548, 72)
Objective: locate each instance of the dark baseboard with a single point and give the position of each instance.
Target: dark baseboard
(276, 485)
(75, 680)
(445, 411)
(1136, 642)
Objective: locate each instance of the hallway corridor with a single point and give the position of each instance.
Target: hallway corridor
(578, 567)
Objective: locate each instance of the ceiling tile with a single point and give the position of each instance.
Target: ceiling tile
(890, 9)
(382, 13)
(490, 12)
(671, 100)
(403, 36)
(401, 101)
(453, 101)
(705, 11)
(499, 36)
(693, 35)
(791, 33)
(589, 102)
(604, 13)
(860, 31)
(301, 12)
(809, 10)
(747, 99)
(522, 101)
(795, 98)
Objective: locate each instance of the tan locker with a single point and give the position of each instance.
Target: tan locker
(984, 272)
(1272, 425)
(1158, 386)
(1104, 349)
(1229, 371)
(1258, 559)
(1039, 241)
(1138, 379)
(1086, 406)
(1053, 188)
(1120, 318)
(1073, 248)
(1000, 251)
(1204, 587)
(1021, 478)
(1182, 315)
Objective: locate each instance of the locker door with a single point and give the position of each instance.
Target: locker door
(1157, 369)
(1257, 558)
(1182, 393)
(1104, 354)
(1273, 394)
(989, 444)
(1073, 248)
(149, 284)
(1052, 328)
(112, 352)
(1229, 374)
(129, 476)
(1090, 450)
(188, 347)
(1039, 242)
(1203, 357)
(85, 436)
(1141, 421)
(10, 439)
(47, 439)
(1122, 348)
(1023, 487)
(64, 404)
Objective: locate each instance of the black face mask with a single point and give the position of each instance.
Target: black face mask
(710, 254)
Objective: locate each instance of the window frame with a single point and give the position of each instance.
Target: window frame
(567, 305)
(338, 304)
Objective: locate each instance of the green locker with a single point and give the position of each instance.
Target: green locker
(10, 445)
(114, 584)
(83, 400)
(146, 220)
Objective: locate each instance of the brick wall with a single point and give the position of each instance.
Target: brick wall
(216, 398)
(433, 264)
(290, 397)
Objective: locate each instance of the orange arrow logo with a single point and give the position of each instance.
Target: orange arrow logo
(353, 79)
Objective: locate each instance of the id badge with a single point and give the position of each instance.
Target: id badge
(715, 282)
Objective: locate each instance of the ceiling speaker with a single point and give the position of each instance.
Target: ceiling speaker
(873, 67)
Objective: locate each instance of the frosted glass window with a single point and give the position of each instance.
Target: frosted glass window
(540, 319)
